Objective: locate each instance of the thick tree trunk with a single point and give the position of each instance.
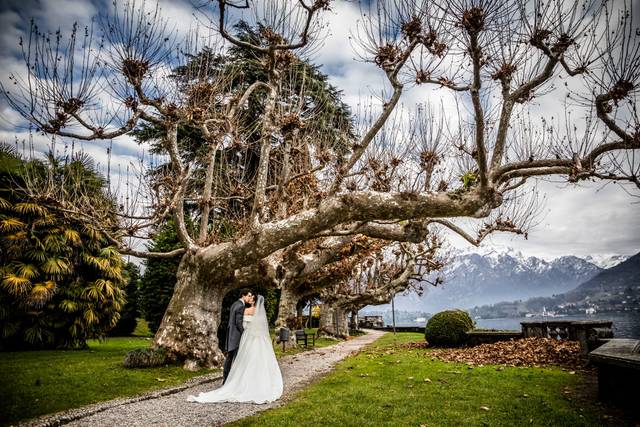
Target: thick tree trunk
(287, 308)
(354, 320)
(333, 321)
(300, 313)
(287, 314)
(189, 328)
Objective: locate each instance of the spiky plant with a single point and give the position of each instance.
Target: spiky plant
(60, 281)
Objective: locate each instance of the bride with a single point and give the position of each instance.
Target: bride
(255, 375)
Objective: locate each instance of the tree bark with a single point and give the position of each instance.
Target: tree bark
(354, 320)
(333, 321)
(189, 328)
(287, 313)
(300, 313)
(225, 258)
(287, 307)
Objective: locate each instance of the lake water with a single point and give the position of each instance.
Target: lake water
(625, 325)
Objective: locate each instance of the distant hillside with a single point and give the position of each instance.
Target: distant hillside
(613, 279)
(611, 290)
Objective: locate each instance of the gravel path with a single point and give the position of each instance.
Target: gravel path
(169, 407)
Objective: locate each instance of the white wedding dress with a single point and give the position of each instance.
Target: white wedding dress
(255, 375)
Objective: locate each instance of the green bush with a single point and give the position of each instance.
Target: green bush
(448, 328)
(61, 279)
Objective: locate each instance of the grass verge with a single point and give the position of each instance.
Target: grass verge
(35, 383)
(385, 385)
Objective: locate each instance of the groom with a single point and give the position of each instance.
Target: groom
(234, 331)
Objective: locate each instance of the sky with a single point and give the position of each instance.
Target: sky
(576, 219)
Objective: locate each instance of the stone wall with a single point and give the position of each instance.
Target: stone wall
(419, 329)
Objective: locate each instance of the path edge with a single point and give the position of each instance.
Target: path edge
(64, 417)
(67, 416)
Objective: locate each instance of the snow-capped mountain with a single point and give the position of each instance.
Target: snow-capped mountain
(614, 289)
(487, 275)
(606, 260)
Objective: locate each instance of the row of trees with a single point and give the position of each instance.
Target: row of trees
(62, 282)
(270, 181)
(56, 293)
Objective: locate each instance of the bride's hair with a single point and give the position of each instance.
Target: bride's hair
(254, 303)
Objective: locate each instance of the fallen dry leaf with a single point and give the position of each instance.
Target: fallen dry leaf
(523, 352)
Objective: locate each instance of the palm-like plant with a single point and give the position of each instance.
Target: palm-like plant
(60, 280)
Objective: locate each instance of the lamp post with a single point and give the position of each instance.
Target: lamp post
(393, 314)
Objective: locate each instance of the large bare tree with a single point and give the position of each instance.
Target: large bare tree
(264, 189)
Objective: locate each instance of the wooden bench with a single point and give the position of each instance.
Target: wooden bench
(618, 363)
(301, 336)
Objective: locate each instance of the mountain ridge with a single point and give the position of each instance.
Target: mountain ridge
(615, 289)
(490, 275)
(620, 275)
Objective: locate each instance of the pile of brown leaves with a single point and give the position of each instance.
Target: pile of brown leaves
(521, 352)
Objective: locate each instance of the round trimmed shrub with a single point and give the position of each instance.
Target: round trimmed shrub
(448, 328)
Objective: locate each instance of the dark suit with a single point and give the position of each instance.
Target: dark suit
(234, 332)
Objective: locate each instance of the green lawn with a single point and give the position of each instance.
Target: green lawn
(388, 385)
(41, 382)
(35, 383)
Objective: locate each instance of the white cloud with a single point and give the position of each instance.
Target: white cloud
(588, 219)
